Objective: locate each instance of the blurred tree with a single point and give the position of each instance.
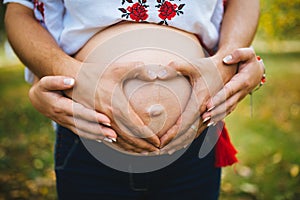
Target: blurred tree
(280, 19)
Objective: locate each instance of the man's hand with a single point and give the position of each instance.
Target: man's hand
(46, 96)
(248, 77)
(225, 101)
(103, 90)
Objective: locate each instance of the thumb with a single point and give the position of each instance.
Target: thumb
(184, 68)
(239, 55)
(166, 73)
(56, 83)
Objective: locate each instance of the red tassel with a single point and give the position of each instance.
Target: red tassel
(225, 152)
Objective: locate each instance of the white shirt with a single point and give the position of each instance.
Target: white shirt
(73, 22)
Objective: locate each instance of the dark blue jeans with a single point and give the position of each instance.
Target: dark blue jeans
(81, 176)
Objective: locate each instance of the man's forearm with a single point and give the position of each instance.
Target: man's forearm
(239, 24)
(34, 45)
(238, 29)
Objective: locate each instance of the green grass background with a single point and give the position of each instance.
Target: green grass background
(268, 143)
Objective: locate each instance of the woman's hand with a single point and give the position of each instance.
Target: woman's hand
(46, 96)
(206, 81)
(184, 140)
(102, 88)
(249, 75)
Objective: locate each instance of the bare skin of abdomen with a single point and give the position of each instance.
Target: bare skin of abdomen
(159, 103)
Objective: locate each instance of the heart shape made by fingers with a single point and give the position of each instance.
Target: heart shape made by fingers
(159, 103)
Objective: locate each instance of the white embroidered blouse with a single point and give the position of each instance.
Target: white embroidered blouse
(73, 22)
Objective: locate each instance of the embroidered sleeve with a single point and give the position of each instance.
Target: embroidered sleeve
(27, 3)
(38, 8)
(35, 5)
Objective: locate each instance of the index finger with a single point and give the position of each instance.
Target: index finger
(126, 116)
(230, 88)
(183, 140)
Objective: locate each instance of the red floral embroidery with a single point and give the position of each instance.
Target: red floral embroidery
(39, 11)
(39, 6)
(168, 10)
(136, 12)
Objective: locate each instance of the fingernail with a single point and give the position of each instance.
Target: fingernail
(145, 153)
(162, 73)
(106, 124)
(108, 140)
(258, 58)
(170, 152)
(211, 108)
(99, 141)
(211, 123)
(227, 59)
(206, 119)
(152, 74)
(69, 81)
(156, 152)
(113, 139)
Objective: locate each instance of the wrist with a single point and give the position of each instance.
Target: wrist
(226, 71)
(68, 66)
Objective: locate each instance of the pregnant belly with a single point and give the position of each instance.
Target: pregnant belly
(159, 103)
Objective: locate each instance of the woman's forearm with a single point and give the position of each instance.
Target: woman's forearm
(34, 45)
(238, 29)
